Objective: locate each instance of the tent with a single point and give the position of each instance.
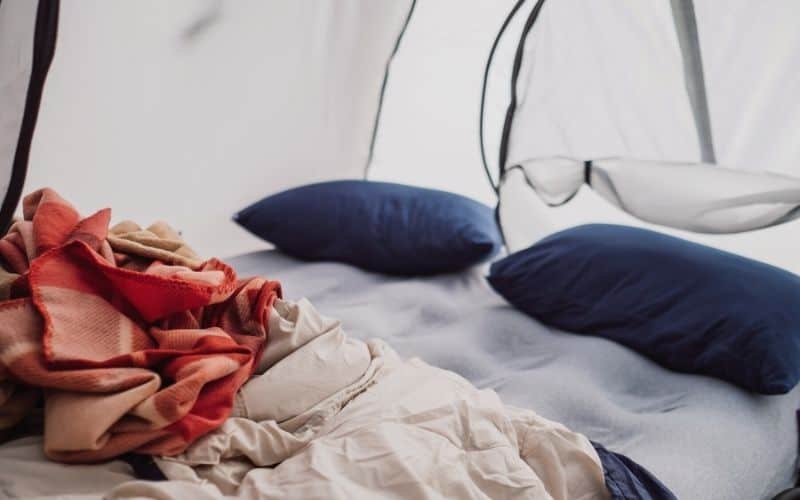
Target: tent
(678, 115)
(188, 110)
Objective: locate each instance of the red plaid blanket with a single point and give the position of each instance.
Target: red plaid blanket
(137, 345)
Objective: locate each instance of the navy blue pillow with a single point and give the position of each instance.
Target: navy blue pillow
(689, 307)
(379, 226)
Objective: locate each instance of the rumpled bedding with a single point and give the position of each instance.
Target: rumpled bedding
(350, 419)
(133, 342)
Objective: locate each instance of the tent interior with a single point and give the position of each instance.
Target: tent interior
(166, 99)
(586, 211)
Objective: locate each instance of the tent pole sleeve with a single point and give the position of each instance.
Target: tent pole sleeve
(482, 111)
(512, 105)
(686, 27)
(382, 94)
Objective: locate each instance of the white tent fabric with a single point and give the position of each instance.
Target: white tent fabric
(698, 197)
(602, 79)
(702, 197)
(751, 55)
(608, 82)
(187, 110)
(428, 131)
(527, 219)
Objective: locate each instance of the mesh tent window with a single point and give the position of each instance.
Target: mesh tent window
(619, 96)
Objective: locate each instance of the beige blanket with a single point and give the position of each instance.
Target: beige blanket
(332, 417)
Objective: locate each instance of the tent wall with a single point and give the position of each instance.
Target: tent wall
(615, 80)
(189, 109)
(751, 56)
(603, 79)
(429, 125)
(624, 79)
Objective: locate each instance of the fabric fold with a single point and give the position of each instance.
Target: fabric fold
(125, 331)
(372, 423)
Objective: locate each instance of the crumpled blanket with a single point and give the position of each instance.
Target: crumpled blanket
(330, 417)
(132, 341)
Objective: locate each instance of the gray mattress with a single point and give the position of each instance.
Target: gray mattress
(705, 439)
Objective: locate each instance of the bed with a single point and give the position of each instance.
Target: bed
(705, 439)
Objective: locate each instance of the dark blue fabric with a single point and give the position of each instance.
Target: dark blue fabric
(627, 480)
(144, 467)
(689, 307)
(379, 226)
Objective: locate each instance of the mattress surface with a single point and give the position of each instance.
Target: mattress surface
(704, 438)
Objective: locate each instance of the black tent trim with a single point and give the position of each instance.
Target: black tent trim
(512, 105)
(382, 94)
(44, 45)
(482, 112)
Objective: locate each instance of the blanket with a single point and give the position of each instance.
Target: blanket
(134, 344)
(327, 416)
(130, 340)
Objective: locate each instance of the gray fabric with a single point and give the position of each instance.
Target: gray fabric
(686, 28)
(703, 438)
